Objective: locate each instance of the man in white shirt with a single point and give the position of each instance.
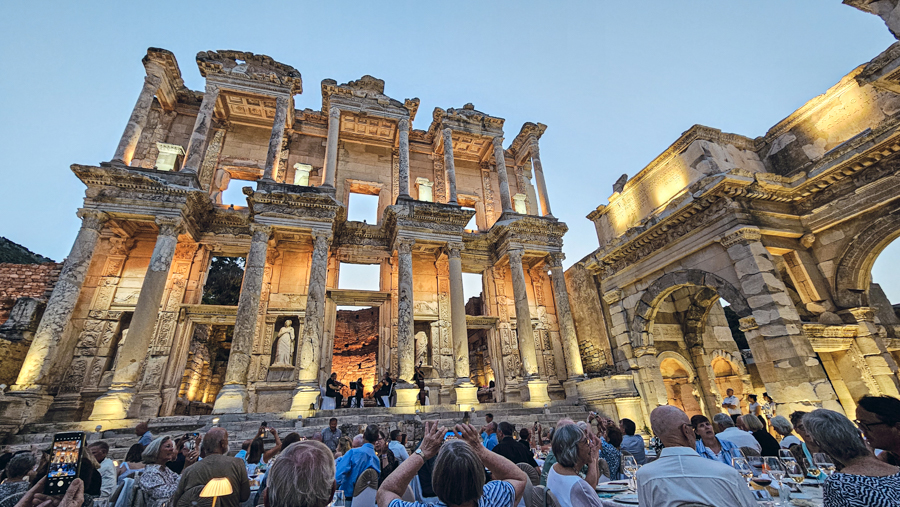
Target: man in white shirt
(397, 448)
(680, 475)
(108, 474)
(732, 404)
(734, 435)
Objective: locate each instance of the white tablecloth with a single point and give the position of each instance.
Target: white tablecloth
(815, 494)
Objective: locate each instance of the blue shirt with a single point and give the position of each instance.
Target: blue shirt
(146, 439)
(490, 441)
(353, 464)
(724, 456)
(494, 494)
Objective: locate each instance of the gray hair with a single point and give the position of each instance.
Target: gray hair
(458, 474)
(302, 476)
(752, 422)
(565, 444)
(782, 425)
(723, 420)
(151, 452)
(835, 435)
(212, 441)
(19, 465)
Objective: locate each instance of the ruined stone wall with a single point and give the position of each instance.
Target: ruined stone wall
(590, 325)
(16, 281)
(356, 346)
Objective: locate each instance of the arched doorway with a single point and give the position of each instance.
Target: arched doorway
(680, 388)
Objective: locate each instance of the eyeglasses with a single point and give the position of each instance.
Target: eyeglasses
(867, 424)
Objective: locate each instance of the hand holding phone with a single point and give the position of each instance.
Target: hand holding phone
(65, 462)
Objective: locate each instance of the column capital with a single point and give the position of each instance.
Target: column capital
(516, 252)
(321, 238)
(261, 230)
(555, 259)
(170, 226)
(535, 148)
(497, 142)
(455, 248)
(334, 112)
(613, 296)
(404, 245)
(92, 219)
(743, 236)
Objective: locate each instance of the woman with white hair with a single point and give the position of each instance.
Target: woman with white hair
(574, 448)
(784, 428)
(303, 476)
(158, 482)
(865, 480)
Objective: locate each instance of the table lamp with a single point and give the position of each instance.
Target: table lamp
(220, 486)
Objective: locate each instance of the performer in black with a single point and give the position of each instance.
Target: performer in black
(419, 379)
(333, 390)
(357, 393)
(384, 389)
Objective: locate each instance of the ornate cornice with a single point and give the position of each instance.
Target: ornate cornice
(741, 236)
(253, 68)
(367, 94)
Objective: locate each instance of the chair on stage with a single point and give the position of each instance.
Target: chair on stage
(327, 401)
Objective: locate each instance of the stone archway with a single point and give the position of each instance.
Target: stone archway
(854, 272)
(680, 380)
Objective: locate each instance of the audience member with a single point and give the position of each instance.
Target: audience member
(879, 419)
(458, 477)
(609, 449)
(388, 460)
(488, 419)
(755, 409)
(525, 440)
(732, 404)
(343, 446)
(708, 444)
(156, 481)
(331, 435)
(357, 460)
(490, 429)
(397, 447)
(864, 480)
(766, 441)
(90, 475)
(4, 460)
(303, 476)
(132, 463)
(680, 475)
(108, 476)
(142, 430)
(738, 437)
(550, 460)
(784, 428)
(574, 448)
(215, 463)
(806, 448)
(510, 449)
(357, 441)
(631, 442)
(17, 481)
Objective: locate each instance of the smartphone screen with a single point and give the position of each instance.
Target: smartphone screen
(450, 435)
(65, 462)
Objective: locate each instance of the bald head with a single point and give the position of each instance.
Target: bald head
(357, 441)
(215, 441)
(672, 426)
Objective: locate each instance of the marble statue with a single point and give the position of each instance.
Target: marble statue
(421, 347)
(284, 347)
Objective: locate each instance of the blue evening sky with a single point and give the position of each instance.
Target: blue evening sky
(616, 82)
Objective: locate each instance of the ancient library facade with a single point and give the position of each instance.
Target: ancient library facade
(728, 262)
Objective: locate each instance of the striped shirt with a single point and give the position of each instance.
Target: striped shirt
(494, 494)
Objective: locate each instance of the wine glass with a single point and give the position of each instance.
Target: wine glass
(743, 467)
(786, 455)
(630, 467)
(794, 471)
(776, 469)
(811, 468)
(823, 462)
(338, 499)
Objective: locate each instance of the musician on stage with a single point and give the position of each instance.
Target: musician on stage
(333, 390)
(419, 380)
(383, 389)
(358, 394)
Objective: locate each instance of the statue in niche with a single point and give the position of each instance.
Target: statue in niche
(421, 348)
(284, 348)
(119, 347)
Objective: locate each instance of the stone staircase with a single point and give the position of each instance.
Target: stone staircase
(351, 421)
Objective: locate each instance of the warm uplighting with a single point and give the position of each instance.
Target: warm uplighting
(220, 486)
(215, 421)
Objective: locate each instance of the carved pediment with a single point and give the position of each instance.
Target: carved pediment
(366, 95)
(244, 66)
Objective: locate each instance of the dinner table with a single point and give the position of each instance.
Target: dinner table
(810, 496)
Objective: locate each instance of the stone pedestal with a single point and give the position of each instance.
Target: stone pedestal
(232, 399)
(535, 391)
(407, 395)
(630, 408)
(571, 389)
(304, 400)
(466, 395)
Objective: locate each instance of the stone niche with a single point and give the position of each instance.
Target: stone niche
(356, 347)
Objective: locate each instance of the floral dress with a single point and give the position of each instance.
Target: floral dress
(158, 483)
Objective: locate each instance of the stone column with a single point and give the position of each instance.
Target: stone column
(200, 134)
(564, 316)
(406, 352)
(403, 135)
(312, 336)
(539, 179)
(331, 147)
(233, 398)
(787, 363)
(872, 350)
(536, 388)
(466, 392)
(448, 164)
(45, 347)
(275, 140)
(500, 159)
(116, 402)
(132, 134)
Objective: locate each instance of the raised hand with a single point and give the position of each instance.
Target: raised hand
(468, 433)
(433, 439)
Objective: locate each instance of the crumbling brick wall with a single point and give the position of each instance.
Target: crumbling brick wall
(356, 346)
(16, 281)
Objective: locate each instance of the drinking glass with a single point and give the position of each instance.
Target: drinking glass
(812, 469)
(737, 453)
(338, 499)
(776, 472)
(630, 467)
(823, 462)
(794, 471)
(743, 467)
(786, 455)
(757, 463)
